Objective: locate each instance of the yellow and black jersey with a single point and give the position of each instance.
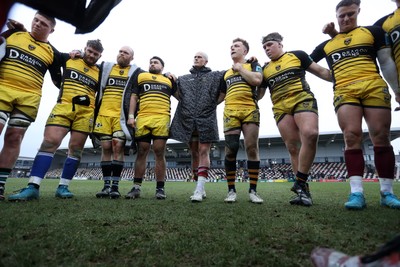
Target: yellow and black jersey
(154, 92)
(286, 75)
(238, 92)
(79, 79)
(391, 25)
(26, 62)
(112, 97)
(352, 56)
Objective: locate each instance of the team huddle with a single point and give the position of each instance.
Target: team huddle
(119, 104)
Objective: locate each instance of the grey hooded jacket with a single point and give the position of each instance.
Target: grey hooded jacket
(196, 111)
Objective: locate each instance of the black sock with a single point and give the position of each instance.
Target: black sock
(301, 178)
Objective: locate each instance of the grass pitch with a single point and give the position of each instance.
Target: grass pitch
(86, 231)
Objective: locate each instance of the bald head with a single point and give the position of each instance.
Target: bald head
(125, 56)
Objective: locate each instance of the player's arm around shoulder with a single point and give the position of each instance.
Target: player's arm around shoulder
(320, 71)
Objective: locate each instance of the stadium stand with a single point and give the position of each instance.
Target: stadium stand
(275, 163)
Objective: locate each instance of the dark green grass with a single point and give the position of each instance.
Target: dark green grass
(85, 231)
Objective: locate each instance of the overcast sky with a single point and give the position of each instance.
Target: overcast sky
(175, 30)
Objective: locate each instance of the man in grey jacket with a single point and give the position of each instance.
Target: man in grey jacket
(195, 120)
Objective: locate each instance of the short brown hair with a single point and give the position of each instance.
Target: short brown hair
(96, 44)
(244, 42)
(50, 18)
(348, 3)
